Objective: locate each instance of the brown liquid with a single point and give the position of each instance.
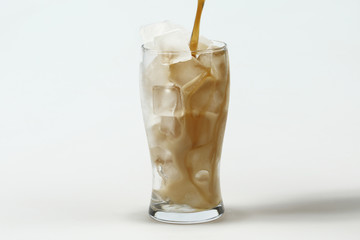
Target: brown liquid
(196, 29)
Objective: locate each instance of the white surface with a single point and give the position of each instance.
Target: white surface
(73, 157)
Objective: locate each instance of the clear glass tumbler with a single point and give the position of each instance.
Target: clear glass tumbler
(185, 97)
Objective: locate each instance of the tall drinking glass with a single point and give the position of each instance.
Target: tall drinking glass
(184, 99)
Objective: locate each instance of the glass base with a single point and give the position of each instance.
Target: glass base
(190, 217)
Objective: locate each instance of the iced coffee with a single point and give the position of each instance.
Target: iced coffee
(184, 96)
(185, 102)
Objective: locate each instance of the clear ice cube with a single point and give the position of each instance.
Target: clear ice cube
(208, 97)
(170, 126)
(174, 46)
(202, 97)
(157, 72)
(204, 43)
(155, 137)
(165, 165)
(167, 38)
(160, 155)
(167, 101)
(153, 73)
(150, 31)
(216, 61)
(205, 59)
(183, 72)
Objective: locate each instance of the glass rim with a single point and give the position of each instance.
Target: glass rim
(222, 47)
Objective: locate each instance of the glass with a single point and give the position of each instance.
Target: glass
(184, 98)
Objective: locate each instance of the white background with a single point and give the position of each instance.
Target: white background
(74, 162)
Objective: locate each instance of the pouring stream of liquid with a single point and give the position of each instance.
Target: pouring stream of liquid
(196, 29)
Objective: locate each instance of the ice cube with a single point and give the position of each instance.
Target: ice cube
(155, 137)
(202, 97)
(204, 43)
(160, 155)
(217, 62)
(174, 46)
(167, 101)
(150, 31)
(170, 126)
(205, 59)
(165, 165)
(153, 73)
(157, 179)
(170, 39)
(157, 73)
(209, 96)
(183, 72)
